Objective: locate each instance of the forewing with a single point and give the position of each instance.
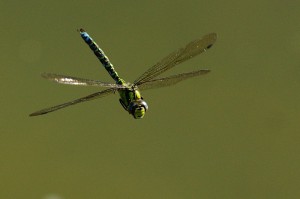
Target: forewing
(64, 79)
(83, 99)
(190, 50)
(171, 80)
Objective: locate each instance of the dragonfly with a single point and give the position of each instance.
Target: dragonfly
(130, 95)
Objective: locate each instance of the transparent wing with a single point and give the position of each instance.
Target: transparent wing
(190, 50)
(64, 79)
(83, 99)
(171, 80)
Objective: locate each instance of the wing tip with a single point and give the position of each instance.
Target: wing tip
(44, 74)
(204, 71)
(33, 114)
(212, 37)
(37, 113)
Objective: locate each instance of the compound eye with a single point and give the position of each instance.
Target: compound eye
(139, 113)
(137, 105)
(144, 104)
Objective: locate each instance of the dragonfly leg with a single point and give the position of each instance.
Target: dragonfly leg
(123, 105)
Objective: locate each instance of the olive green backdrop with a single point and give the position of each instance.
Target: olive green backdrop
(233, 133)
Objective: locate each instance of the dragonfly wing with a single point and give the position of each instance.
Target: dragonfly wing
(64, 79)
(171, 80)
(83, 99)
(190, 50)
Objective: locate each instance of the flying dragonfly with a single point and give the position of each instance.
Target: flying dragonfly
(130, 96)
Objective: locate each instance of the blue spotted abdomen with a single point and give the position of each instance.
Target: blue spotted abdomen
(101, 56)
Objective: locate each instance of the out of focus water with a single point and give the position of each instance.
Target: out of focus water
(231, 134)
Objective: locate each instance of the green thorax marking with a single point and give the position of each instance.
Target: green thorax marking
(128, 95)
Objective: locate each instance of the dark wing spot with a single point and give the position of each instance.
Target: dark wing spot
(209, 46)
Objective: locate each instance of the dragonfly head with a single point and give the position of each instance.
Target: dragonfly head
(138, 108)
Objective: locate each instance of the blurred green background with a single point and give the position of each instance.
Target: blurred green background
(233, 133)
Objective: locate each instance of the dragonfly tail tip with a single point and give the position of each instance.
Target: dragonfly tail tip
(81, 30)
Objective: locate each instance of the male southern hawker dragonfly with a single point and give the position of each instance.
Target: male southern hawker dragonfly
(130, 96)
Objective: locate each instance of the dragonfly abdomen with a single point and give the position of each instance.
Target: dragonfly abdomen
(101, 56)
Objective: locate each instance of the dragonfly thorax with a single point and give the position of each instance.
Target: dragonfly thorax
(133, 102)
